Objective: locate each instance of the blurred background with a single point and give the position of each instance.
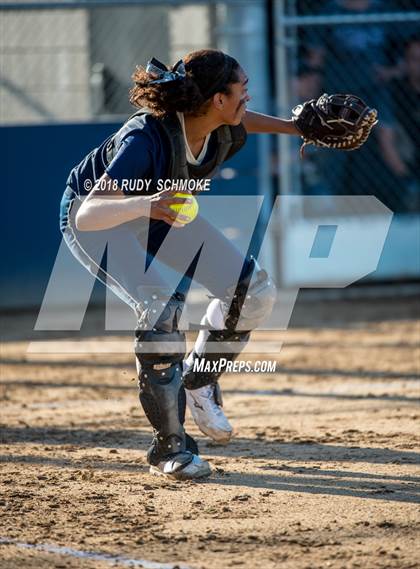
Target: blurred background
(64, 81)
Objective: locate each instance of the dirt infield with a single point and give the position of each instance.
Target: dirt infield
(323, 471)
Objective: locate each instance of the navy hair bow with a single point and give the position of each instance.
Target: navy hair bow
(161, 74)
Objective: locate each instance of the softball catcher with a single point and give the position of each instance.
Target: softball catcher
(190, 119)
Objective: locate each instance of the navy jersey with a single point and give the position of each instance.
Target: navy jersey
(144, 154)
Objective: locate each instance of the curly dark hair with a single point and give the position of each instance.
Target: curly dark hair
(208, 71)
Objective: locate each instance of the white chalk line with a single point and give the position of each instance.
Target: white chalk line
(114, 559)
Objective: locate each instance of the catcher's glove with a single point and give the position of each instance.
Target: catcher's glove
(334, 121)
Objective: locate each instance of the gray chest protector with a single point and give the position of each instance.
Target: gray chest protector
(230, 140)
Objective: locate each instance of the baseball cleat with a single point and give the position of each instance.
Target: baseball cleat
(180, 468)
(208, 413)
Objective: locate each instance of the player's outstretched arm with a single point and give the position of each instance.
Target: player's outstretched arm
(258, 122)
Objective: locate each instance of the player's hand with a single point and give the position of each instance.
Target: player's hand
(159, 208)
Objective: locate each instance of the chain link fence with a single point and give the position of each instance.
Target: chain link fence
(74, 63)
(370, 48)
(69, 61)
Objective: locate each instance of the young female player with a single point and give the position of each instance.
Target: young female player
(193, 117)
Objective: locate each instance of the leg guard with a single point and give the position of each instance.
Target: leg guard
(230, 327)
(162, 395)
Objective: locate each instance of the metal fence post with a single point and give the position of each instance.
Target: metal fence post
(244, 36)
(284, 156)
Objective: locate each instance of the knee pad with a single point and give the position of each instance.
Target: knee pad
(158, 339)
(253, 299)
(230, 326)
